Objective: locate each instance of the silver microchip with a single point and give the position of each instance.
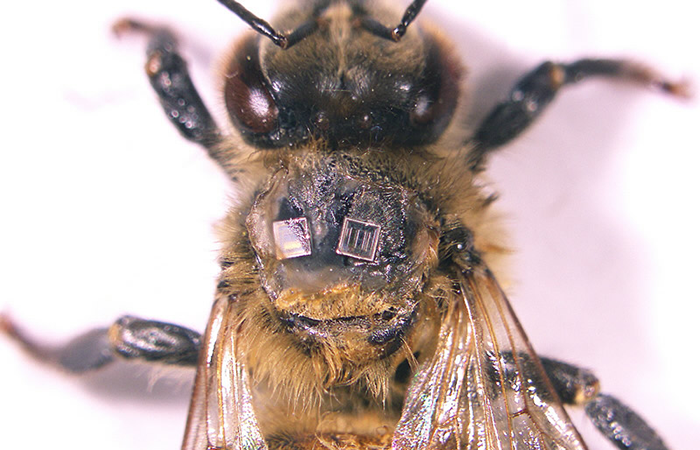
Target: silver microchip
(292, 238)
(359, 239)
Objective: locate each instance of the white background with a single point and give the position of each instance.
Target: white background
(106, 210)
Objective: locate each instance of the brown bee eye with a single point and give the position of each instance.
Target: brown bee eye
(248, 100)
(437, 99)
(424, 110)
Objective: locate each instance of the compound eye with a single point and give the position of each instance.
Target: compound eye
(438, 91)
(424, 111)
(292, 238)
(248, 100)
(359, 239)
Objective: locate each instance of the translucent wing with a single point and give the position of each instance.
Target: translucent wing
(485, 387)
(221, 412)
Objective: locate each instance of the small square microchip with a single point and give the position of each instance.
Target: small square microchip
(359, 239)
(292, 238)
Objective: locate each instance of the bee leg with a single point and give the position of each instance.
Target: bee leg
(615, 420)
(534, 91)
(128, 338)
(151, 341)
(169, 77)
(575, 385)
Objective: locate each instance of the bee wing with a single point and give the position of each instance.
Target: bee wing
(221, 411)
(485, 387)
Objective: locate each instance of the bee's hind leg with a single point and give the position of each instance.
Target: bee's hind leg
(615, 420)
(129, 338)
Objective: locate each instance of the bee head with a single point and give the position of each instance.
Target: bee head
(342, 84)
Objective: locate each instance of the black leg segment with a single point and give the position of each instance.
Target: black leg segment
(152, 341)
(533, 92)
(129, 338)
(622, 426)
(575, 385)
(168, 74)
(86, 352)
(616, 421)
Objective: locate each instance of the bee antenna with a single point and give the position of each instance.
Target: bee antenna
(408, 17)
(285, 41)
(282, 40)
(397, 33)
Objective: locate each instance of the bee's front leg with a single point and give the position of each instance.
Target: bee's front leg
(170, 79)
(128, 338)
(618, 423)
(535, 91)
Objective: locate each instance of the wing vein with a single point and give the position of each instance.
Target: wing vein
(479, 304)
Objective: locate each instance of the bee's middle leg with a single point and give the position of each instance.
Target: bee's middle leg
(129, 338)
(616, 421)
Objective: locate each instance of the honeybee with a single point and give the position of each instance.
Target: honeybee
(144, 222)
